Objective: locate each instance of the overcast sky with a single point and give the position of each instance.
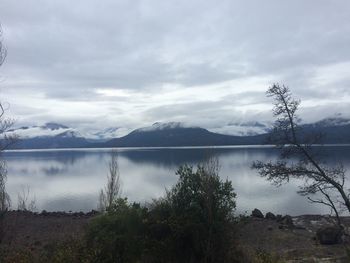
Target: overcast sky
(95, 64)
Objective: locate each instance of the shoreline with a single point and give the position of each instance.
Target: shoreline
(287, 237)
(247, 146)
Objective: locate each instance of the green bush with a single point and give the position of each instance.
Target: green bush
(192, 223)
(73, 250)
(118, 235)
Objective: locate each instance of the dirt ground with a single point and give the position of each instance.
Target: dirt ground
(291, 244)
(33, 231)
(297, 243)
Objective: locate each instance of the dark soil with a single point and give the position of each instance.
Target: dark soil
(292, 243)
(33, 231)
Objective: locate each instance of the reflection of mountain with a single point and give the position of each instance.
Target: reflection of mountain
(175, 157)
(54, 170)
(66, 157)
(165, 157)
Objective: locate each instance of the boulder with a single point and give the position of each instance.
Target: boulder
(257, 213)
(44, 213)
(279, 218)
(270, 215)
(329, 235)
(288, 221)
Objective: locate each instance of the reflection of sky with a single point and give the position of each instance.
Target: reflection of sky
(71, 180)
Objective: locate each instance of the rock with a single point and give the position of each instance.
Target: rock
(270, 215)
(288, 221)
(257, 213)
(92, 213)
(44, 213)
(279, 218)
(329, 235)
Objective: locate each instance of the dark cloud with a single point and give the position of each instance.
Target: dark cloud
(183, 60)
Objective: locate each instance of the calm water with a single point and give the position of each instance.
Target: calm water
(71, 179)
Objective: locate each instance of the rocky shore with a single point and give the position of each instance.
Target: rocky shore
(305, 238)
(36, 231)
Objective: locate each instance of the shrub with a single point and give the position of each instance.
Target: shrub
(193, 222)
(73, 250)
(117, 236)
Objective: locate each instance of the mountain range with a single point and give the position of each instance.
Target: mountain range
(54, 135)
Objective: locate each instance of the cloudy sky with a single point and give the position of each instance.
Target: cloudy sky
(95, 64)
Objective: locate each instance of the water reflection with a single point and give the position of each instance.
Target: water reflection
(71, 179)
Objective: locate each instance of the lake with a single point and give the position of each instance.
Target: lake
(70, 179)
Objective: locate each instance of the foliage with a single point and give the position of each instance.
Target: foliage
(17, 256)
(201, 213)
(73, 251)
(118, 235)
(192, 223)
(265, 257)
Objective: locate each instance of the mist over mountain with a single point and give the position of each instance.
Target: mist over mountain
(249, 128)
(177, 134)
(48, 136)
(54, 135)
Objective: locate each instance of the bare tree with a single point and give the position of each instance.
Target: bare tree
(111, 191)
(5, 142)
(3, 51)
(5, 201)
(24, 202)
(322, 183)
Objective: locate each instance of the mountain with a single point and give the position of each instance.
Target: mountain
(47, 136)
(332, 122)
(53, 135)
(177, 134)
(333, 130)
(48, 129)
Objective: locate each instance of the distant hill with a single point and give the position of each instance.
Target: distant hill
(174, 134)
(53, 135)
(48, 136)
(55, 142)
(333, 130)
